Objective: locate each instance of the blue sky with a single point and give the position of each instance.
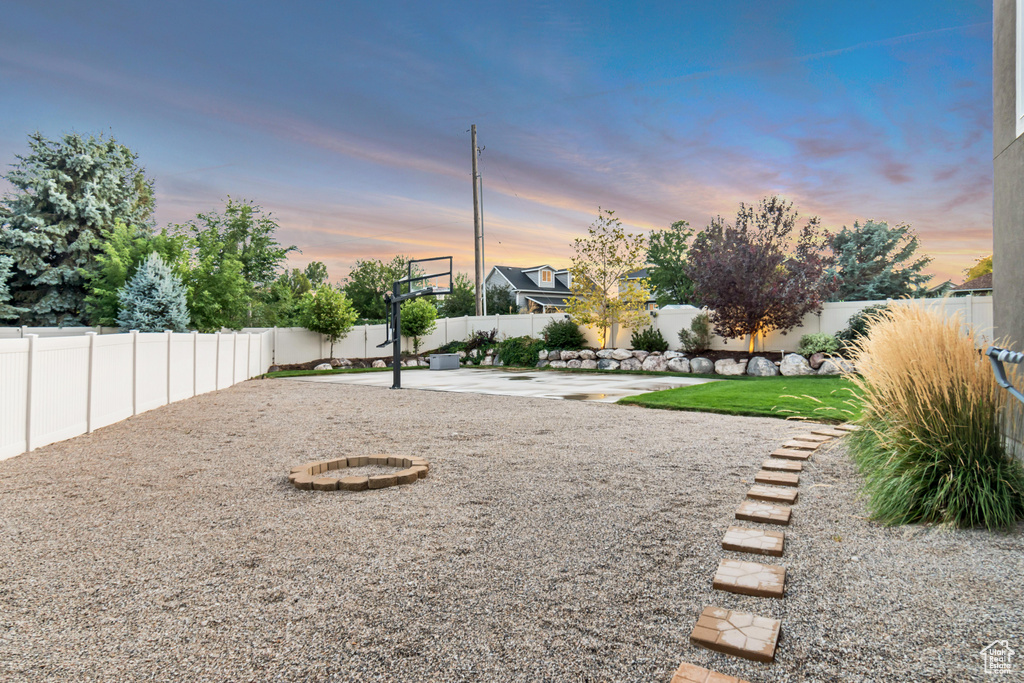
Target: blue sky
(349, 120)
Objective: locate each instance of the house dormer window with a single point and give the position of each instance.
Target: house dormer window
(545, 277)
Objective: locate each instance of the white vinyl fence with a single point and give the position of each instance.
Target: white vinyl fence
(59, 386)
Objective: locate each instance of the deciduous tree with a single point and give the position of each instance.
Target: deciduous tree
(328, 311)
(755, 275)
(369, 280)
(501, 300)
(666, 264)
(461, 301)
(876, 261)
(982, 266)
(601, 295)
(68, 195)
(419, 317)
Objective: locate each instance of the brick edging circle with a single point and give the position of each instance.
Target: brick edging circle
(307, 477)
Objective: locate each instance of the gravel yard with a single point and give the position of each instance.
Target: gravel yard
(553, 540)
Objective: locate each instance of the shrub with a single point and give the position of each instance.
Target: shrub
(419, 318)
(698, 337)
(817, 343)
(520, 351)
(648, 339)
(153, 300)
(564, 334)
(481, 339)
(857, 326)
(931, 448)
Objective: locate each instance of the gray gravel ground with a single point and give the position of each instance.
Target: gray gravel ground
(553, 540)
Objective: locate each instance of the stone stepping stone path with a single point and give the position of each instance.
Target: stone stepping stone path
(772, 494)
(766, 513)
(737, 633)
(306, 477)
(750, 578)
(801, 445)
(791, 454)
(813, 437)
(691, 673)
(782, 465)
(777, 478)
(756, 541)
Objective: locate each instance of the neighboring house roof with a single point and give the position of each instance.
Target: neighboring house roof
(637, 274)
(558, 301)
(980, 283)
(522, 283)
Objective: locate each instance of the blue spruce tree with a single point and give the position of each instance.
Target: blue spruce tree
(153, 300)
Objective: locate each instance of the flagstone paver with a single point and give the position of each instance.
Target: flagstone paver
(801, 445)
(737, 633)
(750, 578)
(691, 673)
(782, 465)
(757, 541)
(757, 511)
(813, 437)
(831, 433)
(307, 476)
(772, 494)
(777, 478)
(792, 454)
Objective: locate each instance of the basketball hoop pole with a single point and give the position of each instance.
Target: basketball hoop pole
(396, 335)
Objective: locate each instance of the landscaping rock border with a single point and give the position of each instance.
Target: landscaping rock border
(307, 477)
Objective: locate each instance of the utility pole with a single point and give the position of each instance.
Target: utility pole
(477, 228)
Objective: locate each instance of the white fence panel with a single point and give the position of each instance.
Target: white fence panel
(225, 360)
(180, 374)
(150, 370)
(205, 376)
(112, 387)
(59, 378)
(266, 350)
(13, 396)
(240, 349)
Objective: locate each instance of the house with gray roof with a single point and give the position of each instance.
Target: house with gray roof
(540, 289)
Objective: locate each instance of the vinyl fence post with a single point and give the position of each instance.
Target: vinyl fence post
(195, 361)
(234, 356)
(167, 334)
(135, 372)
(24, 331)
(273, 349)
(90, 396)
(216, 374)
(30, 390)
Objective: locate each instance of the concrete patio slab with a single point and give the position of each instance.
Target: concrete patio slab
(772, 494)
(578, 386)
(750, 578)
(757, 541)
(766, 513)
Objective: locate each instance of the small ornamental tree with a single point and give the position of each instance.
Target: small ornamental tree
(601, 294)
(419, 317)
(153, 300)
(875, 261)
(754, 276)
(666, 270)
(501, 301)
(982, 266)
(329, 312)
(462, 299)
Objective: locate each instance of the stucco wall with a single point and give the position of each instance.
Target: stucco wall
(1008, 159)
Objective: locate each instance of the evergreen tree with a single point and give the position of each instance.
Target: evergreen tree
(874, 261)
(69, 193)
(6, 310)
(500, 300)
(153, 300)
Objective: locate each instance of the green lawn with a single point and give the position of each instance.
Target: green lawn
(824, 399)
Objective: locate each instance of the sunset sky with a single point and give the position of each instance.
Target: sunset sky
(349, 121)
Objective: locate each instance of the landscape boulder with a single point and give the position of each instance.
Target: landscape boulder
(621, 354)
(701, 366)
(488, 360)
(630, 364)
(543, 355)
(379, 364)
(729, 366)
(759, 366)
(669, 355)
(678, 364)
(640, 355)
(462, 354)
(574, 363)
(654, 363)
(570, 355)
(587, 354)
(794, 364)
(542, 363)
(605, 354)
(607, 364)
(557, 364)
(589, 364)
(555, 355)
(816, 360)
(835, 366)
(323, 366)
(274, 368)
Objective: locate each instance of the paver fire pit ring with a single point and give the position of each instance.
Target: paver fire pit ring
(307, 477)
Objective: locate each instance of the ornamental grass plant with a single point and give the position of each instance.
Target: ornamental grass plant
(937, 430)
